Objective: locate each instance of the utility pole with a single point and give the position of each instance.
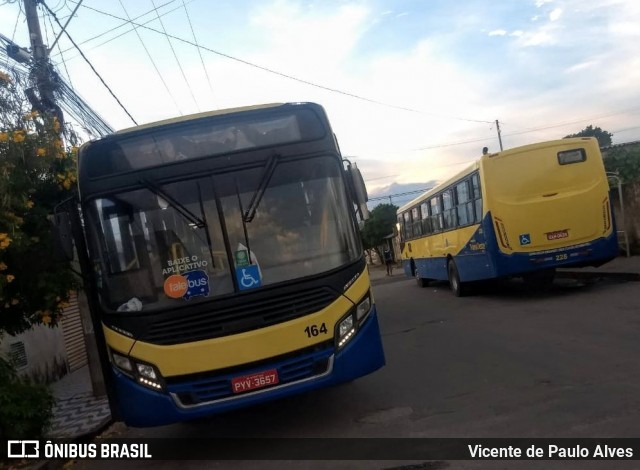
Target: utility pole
(499, 136)
(45, 103)
(42, 72)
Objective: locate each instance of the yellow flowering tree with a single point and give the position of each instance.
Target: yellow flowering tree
(37, 171)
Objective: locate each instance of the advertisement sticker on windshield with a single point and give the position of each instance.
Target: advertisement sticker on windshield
(184, 281)
(187, 285)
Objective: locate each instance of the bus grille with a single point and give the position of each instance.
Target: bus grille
(201, 389)
(247, 316)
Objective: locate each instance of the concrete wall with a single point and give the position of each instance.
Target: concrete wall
(46, 359)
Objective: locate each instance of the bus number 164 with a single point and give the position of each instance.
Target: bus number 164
(315, 330)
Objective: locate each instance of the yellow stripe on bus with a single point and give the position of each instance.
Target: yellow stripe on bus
(247, 347)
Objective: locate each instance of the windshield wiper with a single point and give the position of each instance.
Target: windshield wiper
(186, 213)
(250, 213)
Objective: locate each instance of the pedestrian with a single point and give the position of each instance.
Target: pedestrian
(388, 260)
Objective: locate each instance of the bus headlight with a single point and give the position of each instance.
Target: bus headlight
(147, 371)
(143, 373)
(346, 330)
(122, 362)
(348, 326)
(363, 308)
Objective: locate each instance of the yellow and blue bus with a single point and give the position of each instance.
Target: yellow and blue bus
(522, 212)
(224, 262)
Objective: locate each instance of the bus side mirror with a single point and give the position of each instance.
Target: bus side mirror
(360, 190)
(62, 237)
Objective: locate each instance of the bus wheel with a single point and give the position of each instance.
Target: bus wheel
(454, 279)
(414, 272)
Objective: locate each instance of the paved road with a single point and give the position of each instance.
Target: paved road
(505, 362)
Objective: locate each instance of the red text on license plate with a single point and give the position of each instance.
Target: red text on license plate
(251, 382)
(557, 235)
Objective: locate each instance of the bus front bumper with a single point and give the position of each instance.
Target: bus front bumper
(140, 406)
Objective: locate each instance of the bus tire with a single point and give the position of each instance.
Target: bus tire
(422, 282)
(457, 287)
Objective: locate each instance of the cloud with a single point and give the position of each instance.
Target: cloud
(574, 62)
(555, 14)
(582, 66)
(540, 37)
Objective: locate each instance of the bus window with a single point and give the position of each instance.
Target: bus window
(477, 196)
(448, 211)
(436, 214)
(300, 227)
(426, 222)
(464, 207)
(407, 225)
(417, 225)
(572, 156)
(121, 251)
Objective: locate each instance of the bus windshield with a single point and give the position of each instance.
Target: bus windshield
(165, 245)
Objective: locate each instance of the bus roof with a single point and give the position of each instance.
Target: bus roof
(191, 117)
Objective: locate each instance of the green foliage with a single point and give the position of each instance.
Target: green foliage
(381, 222)
(36, 173)
(604, 137)
(625, 161)
(26, 409)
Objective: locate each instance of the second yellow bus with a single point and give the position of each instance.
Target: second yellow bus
(521, 212)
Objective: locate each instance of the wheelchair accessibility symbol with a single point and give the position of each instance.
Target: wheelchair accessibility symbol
(525, 239)
(248, 277)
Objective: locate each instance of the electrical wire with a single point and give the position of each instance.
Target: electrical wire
(195, 40)
(64, 62)
(290, 77)
(89, 63)
(151, 59)
(552, 126)
(13, 35)
(125, 23)
(176, 57)
(69, 100)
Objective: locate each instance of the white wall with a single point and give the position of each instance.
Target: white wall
(45, 352)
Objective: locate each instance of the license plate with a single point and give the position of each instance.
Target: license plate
(557, 235)
(254, 381)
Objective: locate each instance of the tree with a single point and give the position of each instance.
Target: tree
(604, 137)
(624, 160)
(36, 173)
(381, 222)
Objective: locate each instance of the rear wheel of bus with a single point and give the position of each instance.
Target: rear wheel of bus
(421, 281)
(457, 287)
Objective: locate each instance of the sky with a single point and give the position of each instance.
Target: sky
(413, 88)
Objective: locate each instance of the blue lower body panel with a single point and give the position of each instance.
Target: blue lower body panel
(587, 254)
(491, 264)
(140, 406)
